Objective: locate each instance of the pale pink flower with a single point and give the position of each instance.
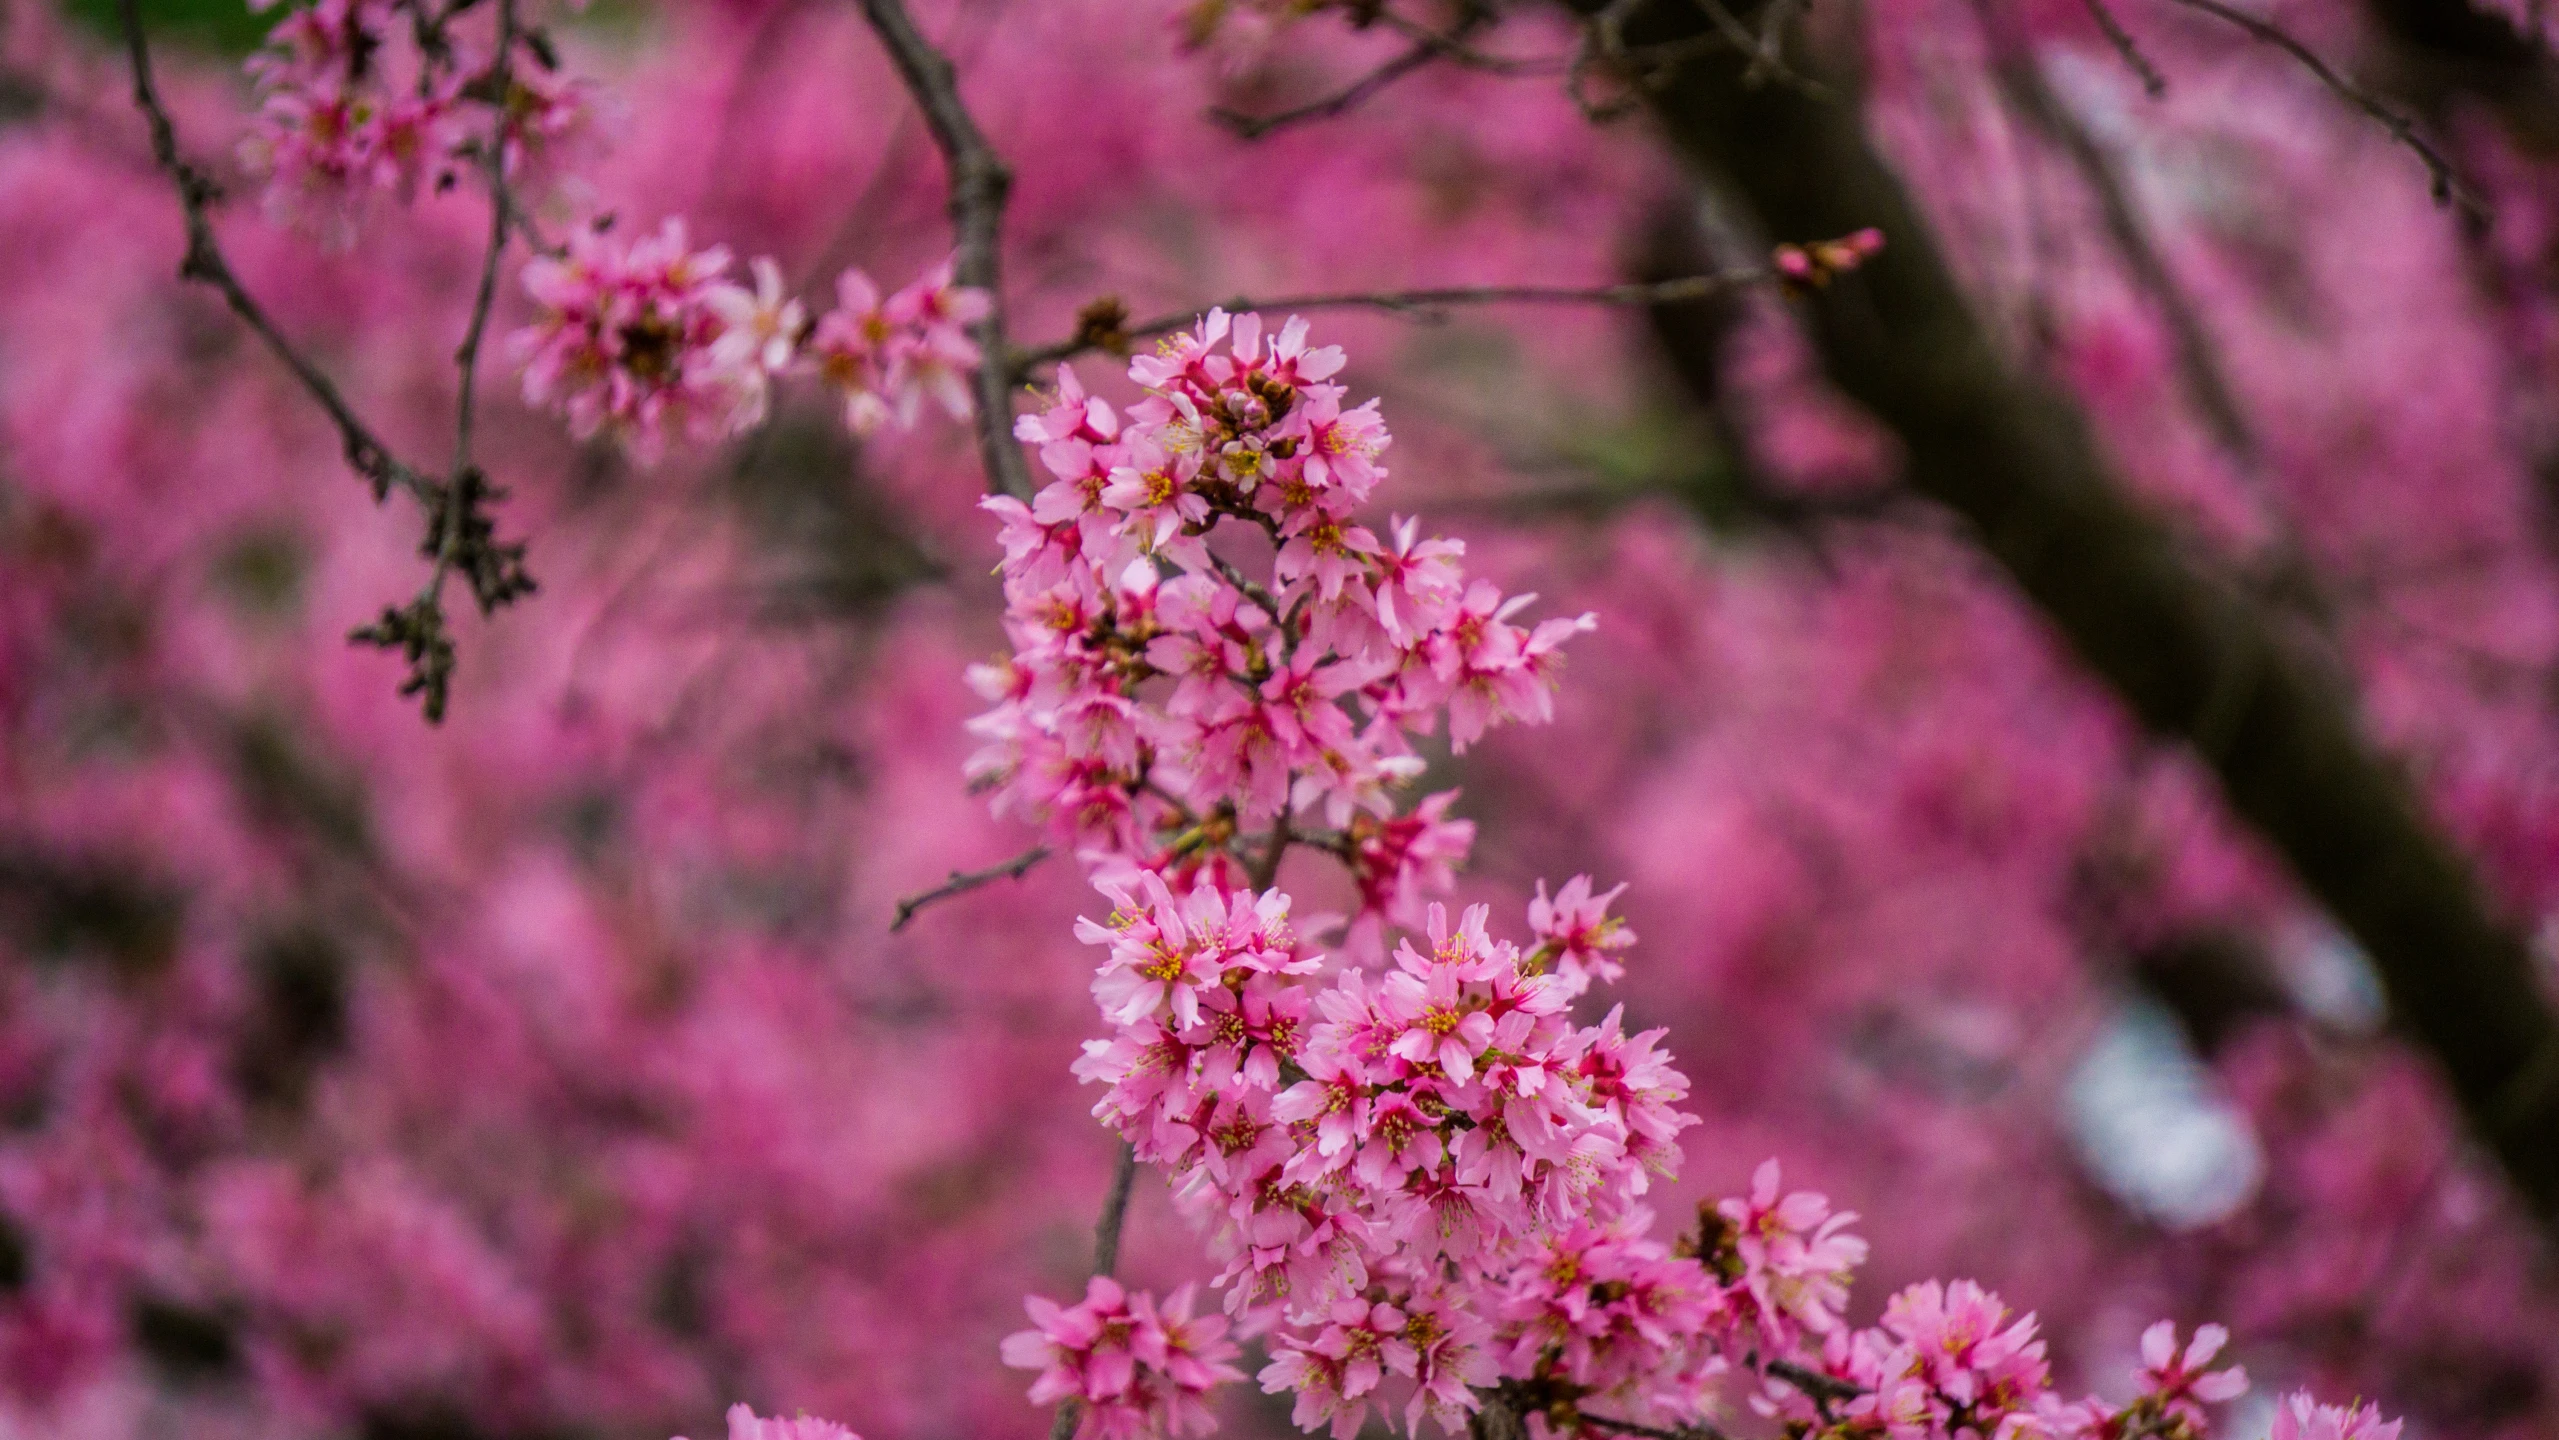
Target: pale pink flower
(745, 1424)
(625, 341)
(2300, 1417)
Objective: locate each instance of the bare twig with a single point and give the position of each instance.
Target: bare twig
(2119, 37)
(1342, 101)
(1265, 868)
(1415, 302)
(1453, 45)
(963, 881)
(979, 184)
(2448, 186)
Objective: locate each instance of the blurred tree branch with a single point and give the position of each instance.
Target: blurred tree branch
(2185, 649)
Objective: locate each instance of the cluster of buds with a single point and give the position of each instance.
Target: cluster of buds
(1808, 267)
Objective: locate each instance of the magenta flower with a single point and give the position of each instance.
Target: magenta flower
(1136, 1369)
(626, 341)
(1795, 1261)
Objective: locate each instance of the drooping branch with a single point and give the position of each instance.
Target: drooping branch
(2182, 646)
(2448, 185)
(980, 184)
(206, 264)
(459, 532)
(1105, 327)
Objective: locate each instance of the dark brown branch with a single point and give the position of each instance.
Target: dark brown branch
(459, 533)
(1812, 1382)
(2187, 652)
(963, 881)
(2448, 186)
(1106, 1256)
(1427, 303)
(1340, 102)
(1453, 45)
(2119, 37)
(205, 263)
(1106, 1231)
(979, 184)
(466, 359)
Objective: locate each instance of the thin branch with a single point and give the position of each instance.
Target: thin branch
(1264, 870)
(979, 184)
(963, 881)
(1453, 45)
(2448, 186)
(458, 531)
(467, 358)
(205, 264)
(1106, 1231)
(1342, 101)
(2116, 35)
(1411, 302)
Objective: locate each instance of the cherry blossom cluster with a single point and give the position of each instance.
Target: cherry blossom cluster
(1160, 702)
(645, 337)
(361, 98)
(1421, 1173)
(1135, 1367)
(1951, 1362)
